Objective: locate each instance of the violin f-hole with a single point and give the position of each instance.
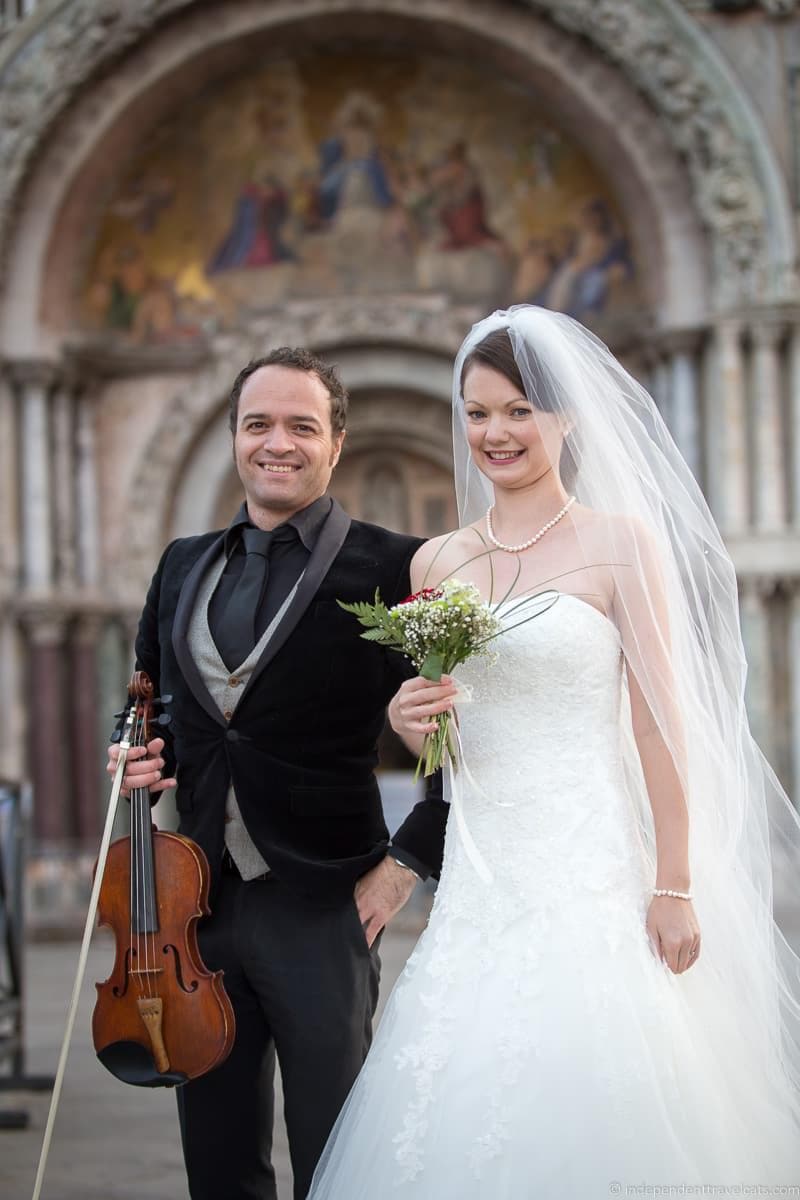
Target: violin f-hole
(178, 971)
(118, 991)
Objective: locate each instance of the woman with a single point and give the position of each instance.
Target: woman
(558, 1031)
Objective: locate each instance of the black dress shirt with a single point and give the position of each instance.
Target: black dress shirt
(287, 561)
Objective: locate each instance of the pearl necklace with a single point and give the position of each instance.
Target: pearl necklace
(530, 541)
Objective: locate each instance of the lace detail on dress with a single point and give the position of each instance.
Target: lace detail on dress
(426, 1057)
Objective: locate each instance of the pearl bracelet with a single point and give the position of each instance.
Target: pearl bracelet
(670, 892)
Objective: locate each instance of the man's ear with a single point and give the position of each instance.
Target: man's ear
(338, 442)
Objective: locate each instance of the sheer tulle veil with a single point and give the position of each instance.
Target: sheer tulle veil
(676, 605)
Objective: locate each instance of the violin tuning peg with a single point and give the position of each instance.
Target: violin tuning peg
(166, 699)
(123, 713)
(164, 719)
(116, 736)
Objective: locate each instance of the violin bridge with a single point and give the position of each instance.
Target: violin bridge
(150, 1010)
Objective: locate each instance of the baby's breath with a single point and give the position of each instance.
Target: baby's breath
(437, 628)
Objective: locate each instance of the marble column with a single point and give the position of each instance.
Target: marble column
(728, 421)
(755, 594)
(769, 481)
(685, 398)
(115, 662)
(64, 484)
(12, 726)
(12, 689)
(34, 381)
(9, 488)
(48, 729)
(87, 498)
(794, 693)
(85, 692)
(794, 423)
(661, 390)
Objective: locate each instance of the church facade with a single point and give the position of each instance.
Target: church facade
(185, 185)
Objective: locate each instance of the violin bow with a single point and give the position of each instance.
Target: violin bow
(124, 747)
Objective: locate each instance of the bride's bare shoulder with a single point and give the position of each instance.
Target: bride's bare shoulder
(613, 532)
(615, 522)
(441, 556)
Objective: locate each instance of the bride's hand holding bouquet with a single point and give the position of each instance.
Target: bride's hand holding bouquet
(414, 709)
(437, 628)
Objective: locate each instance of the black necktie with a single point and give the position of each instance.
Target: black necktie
(236, 633)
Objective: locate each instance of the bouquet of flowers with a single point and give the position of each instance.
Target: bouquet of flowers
(437, 628)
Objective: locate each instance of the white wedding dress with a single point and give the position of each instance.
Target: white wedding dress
(534, 1048)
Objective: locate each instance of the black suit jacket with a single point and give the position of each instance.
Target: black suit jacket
(300, 748)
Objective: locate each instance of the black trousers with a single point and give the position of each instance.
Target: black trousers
(304, 984)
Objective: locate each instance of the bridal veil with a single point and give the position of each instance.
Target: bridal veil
(676, 606)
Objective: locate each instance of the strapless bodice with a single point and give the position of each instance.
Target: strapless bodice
(542, 788)
(545, 703)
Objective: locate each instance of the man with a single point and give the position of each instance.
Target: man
(276, 708)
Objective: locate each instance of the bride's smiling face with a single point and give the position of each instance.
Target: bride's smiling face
(511, 442)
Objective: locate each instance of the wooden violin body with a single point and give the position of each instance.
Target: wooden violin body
(161, 1018)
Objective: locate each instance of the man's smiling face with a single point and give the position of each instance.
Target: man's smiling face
(284, 447)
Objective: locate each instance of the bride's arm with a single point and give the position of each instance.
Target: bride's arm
(641, 612)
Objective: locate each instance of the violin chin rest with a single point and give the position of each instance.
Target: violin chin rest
(132, 1063)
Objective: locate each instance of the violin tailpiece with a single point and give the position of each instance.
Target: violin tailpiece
(150, 1010)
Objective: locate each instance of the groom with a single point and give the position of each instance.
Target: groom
(276, 709)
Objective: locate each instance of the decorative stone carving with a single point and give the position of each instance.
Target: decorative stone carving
(659, 57)
(671, 62)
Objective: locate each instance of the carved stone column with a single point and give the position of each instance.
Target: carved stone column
(685, 397)
(794, 425)
(84, 688)
(64, 484)
(9, 488)
(794, 692)
(87, 499)
(48, 729)
(34, 381)
(661, 390)
(769, 483)
(12, 689)
(12, 725)
(756, 592)
(729, 421)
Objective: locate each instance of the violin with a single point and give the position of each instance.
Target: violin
(161, 1018)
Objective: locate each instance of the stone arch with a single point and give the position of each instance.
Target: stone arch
(648, 91)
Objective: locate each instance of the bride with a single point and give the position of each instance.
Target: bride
(601, 1003)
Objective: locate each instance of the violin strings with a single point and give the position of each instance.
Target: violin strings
(149, 877)
(142, 964)
(135, 864)
(145, 876)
